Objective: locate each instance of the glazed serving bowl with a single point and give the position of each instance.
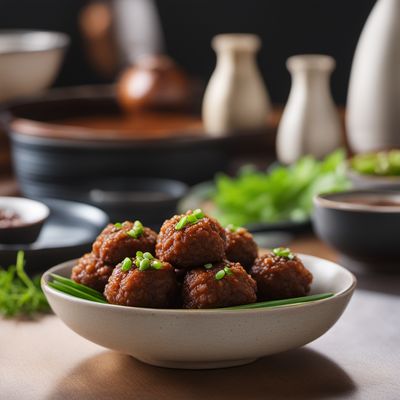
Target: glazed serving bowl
(151, 200)
(86, 125)
(362, 225)
(197, 339)
(32, 215)
(29, 61)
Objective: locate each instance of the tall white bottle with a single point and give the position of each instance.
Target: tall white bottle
(236, 98)
(310, 123)
(373, 102)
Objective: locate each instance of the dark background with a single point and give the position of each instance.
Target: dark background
(287, 27)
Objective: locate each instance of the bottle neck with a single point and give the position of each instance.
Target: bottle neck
(238, 61)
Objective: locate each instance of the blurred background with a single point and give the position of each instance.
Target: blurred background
(286, 28)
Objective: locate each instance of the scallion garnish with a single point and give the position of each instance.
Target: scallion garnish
(208, 266)
(283, 252)
(220, 274)
(126, 264)
(146, 260)
(232, 228)
(228, 270)
(284, 302)
(136, 231)
(75, 289)
(189, 219)
(118, 225)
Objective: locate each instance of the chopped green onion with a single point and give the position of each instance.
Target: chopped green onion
(137, 230)
(156, 264)
(118, 225)
(284, 302)
(148, 255)
(228, 270)
(126, 264)
(191, 218)
(208, 266)
(198, 213)
(232, 228)
(144, 264)
(139, 254)
(182, 223)
(220, 274)
(283, 252)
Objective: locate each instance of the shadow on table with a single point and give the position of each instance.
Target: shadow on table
(299, 374)
(384, 283)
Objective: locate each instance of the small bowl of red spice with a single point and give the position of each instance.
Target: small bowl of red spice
(21, 219)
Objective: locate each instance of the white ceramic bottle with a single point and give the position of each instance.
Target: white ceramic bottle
(236, 98)
(373, 102)
(310, 123)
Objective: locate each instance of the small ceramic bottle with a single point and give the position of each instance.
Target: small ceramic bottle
(310, 123)
(373, 114)
(236, 98)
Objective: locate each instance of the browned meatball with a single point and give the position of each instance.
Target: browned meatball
(115, 242)
(280, 277)
(150, 288)
(203, 288)
(193, 245)
(92, 272)
(240, 246)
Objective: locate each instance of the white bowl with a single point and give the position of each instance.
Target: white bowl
(199, 339)
(29, 61)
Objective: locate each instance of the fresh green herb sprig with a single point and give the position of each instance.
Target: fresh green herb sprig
(381, 163)
(190, 219)
(75, 289)
(284, 193)
(137, 230)
(20, 295)
(284, 302)
(284, 252)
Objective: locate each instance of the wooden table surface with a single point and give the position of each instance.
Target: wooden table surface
(359, 358)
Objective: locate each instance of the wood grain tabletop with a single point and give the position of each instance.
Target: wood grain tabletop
(359, 358)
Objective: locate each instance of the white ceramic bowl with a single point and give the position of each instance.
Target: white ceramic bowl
(29, 61)
(206, 338)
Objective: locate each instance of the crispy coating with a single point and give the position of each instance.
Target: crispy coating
(280, 278)
(194, 245)
(149, 288)
(202, 290)
(241, 247)
(114, 244)
(92, 272)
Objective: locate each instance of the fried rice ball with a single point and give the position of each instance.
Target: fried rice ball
(150, 288)
(92, 272)
(193, 245)
(205, 288)
(240, 246)
(280, 277)
(115, 242)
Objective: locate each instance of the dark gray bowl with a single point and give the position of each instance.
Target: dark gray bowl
(366, 235)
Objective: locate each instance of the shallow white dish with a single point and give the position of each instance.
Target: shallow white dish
(199, 339)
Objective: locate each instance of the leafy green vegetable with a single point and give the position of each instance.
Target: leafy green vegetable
(283, 194)
(284, 302)
(74, 289)
(20, 295)
(383, 163)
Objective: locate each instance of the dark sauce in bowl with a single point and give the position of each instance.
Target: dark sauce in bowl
(9, 219)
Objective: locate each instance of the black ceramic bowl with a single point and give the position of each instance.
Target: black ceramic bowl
(363, 225)
(152, 200)
(21, 219)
